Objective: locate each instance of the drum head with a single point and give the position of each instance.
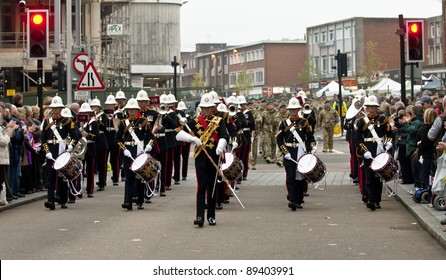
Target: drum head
(229, 158)
(380, 161)
(139, 162)
(61, 160)
(306, 163)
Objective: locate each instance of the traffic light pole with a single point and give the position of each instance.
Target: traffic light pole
(402, 32)
(40, 87)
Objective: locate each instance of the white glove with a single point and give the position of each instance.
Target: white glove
(69, 148)
(221, 146)
(287, 156)
(367, 155)
(388, 146)
(314, 150)
(183, 121)
(148, 148)
(234, 145)
(127, 153)
(196, 140)
(49, 156)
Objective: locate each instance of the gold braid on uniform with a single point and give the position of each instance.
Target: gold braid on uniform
(361, 149)
(122, 146)
(46, 148)
(283, 149)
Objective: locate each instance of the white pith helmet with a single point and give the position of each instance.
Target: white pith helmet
(132, 104)
(222, 108)
(111, 100)
(206, 101)
(371, 101)
(66, 113)
(56, 102)
(142, 96)
(85, 108)
(215, 97)
(96, 102)
(171, 99)
(241, 99)
(294, 104)
(120, 95)
(181, 106)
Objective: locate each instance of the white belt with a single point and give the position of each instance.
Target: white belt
(170, 130)
(293, 145)
(246, 129)
(130, 143)
(54, 141)
(371, 139)
(158, 135)
(110, 128)
(90, 141)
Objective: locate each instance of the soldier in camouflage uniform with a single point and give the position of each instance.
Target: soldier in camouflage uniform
(328, 118)
(257, 111)
(269, 133)
(281, 115)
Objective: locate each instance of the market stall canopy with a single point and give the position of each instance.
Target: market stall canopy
(329, 90)
(386, 85)
(432, 83)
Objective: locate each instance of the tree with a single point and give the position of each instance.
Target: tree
(243, 83)
(372, 62)
(198, 80)
(309, 74)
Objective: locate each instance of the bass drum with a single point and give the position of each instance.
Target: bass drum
(68, 166)
(146, 167)
(385, 166)
(232, 168)
(311, 167)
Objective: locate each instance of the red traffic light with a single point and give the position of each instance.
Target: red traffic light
(414, 28)
(414, 41)
(37, 18)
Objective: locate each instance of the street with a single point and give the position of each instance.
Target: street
(333, 225)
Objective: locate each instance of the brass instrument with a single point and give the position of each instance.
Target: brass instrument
(232, 109)
(80, 149)
(356, 107)
(307, 109)
(163, 109)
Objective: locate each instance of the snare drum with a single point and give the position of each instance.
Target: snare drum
(385, 166)
(67, 165)
(232, 168)
(146, 167)
(311, 167)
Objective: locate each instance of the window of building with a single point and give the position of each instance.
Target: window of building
(316, 63)
(241, 57)
(261, 54)
(339, 34)
(432, 29)
(438, 55)
(438, 30)
(324, 65)
(431, 55)
(332, 64)
(331, 35)
(347, 31)
(316, 38)
(232, 79)
(258, 78)
(323, 37)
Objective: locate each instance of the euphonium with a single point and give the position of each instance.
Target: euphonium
(306, 109)
(163, 109)
(232, 109)
(80, 148)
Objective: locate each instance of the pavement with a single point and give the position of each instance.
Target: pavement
(269, 174)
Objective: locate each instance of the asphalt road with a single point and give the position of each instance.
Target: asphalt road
(334, 225)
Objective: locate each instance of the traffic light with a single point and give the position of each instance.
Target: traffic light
(342, 64)
(2, 84)
(58, 76)
(414, 41)
(37, 34)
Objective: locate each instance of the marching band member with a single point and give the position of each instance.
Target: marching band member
(249, 133)
(134, 137)
(101, 143)
(110, 133)
(119, 115)
(176, 145)
(295, 136)
(55, 131)
(90, 130)
(374, 137)
(209, 133)
(185, 147)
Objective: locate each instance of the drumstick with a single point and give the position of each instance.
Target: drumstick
(215, 181)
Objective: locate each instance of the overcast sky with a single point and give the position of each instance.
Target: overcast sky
(237, 22)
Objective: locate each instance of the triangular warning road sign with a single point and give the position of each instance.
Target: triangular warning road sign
(90, 79)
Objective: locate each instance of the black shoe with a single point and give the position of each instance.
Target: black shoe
(127, 206)
(176, 182)
(199, 221)
(20, 195)
(162, 194)
(168, 188)
(71, 201)
(306, 194)
(115, 183)
(299, 206)
(148, 200)
(364, 199)
(292, 206)
(244, 178)
(140, 207)
(9, 199)
(50, 205)
(184, 179)
(100, 189)
(63, 206)
(80, 196)
(226, 201)
(90, 195)
(443, 222)
(356, 181)
(371, 206)
(15, 197)
(212, 221)
(377, 205)
(219, 206)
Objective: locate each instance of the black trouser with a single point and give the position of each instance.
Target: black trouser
(89, 169)
(185, 150)
(416, 171)
(205, 180)
(162, 157)
(132, 184)
(169, 166)
(405, 165)
(4, 173)
(55, 182)
(374, 186)
(101, 158)
(295, 187)
(176, 162)
(115, 155)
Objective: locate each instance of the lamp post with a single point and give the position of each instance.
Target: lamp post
(174, 64)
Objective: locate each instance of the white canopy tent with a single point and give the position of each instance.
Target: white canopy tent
(329, 90)
(386, 85)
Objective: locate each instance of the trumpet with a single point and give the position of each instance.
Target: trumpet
(307, 109)
(163, 109)
(232, 109)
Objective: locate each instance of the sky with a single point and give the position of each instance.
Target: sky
(238, 22)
